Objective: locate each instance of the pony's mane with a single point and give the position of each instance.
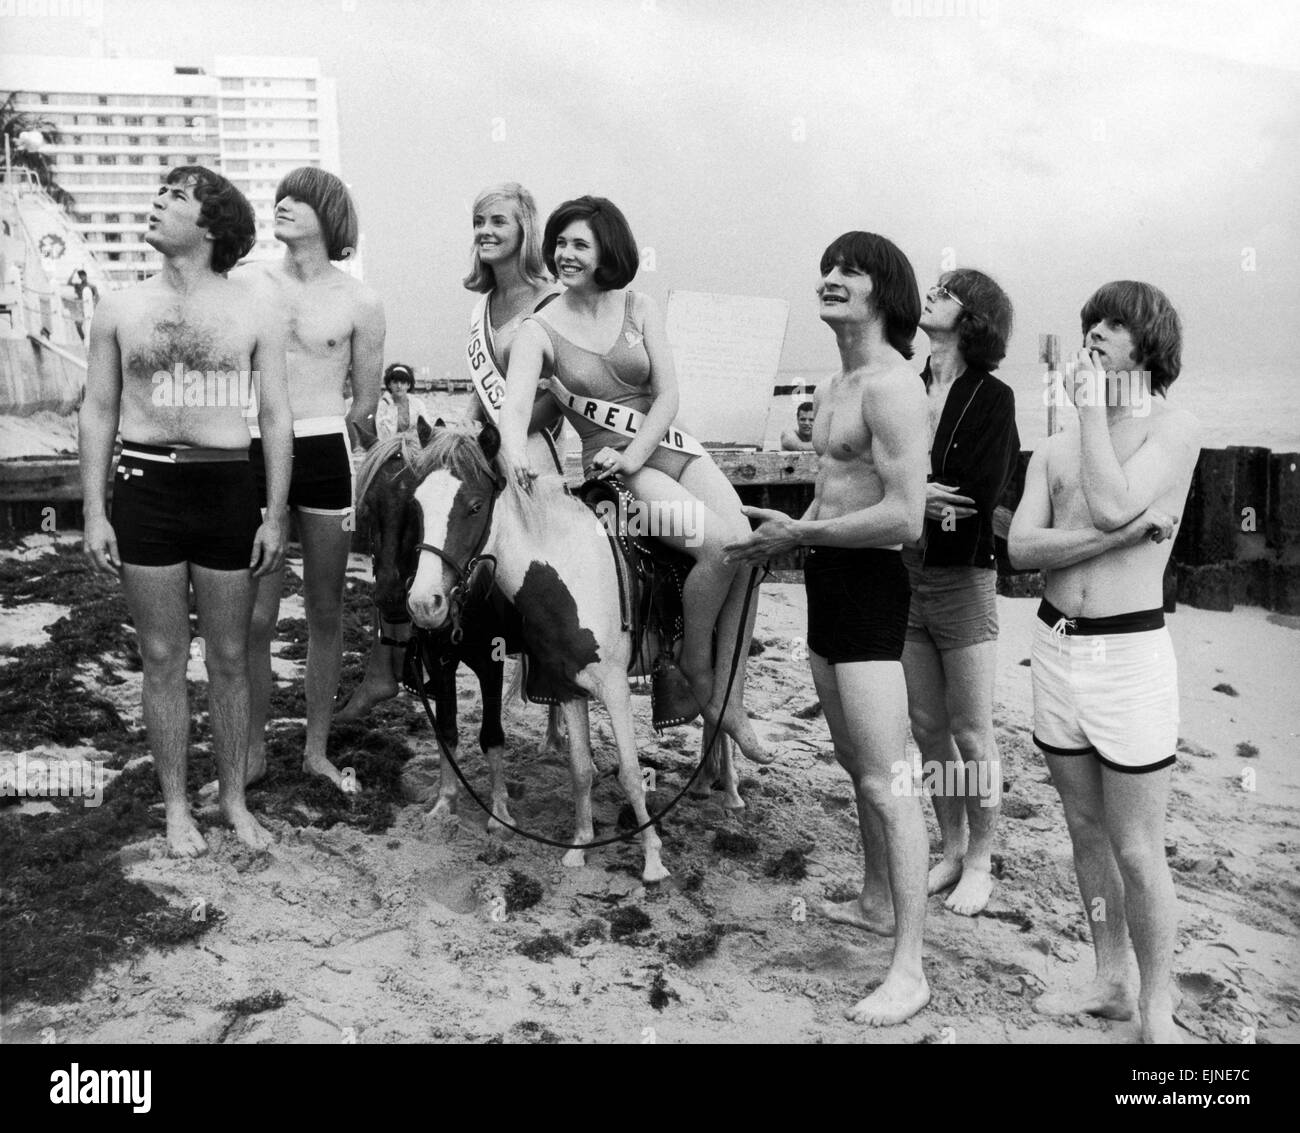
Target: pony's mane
(455, 449)
(376, 457)
(547, 508)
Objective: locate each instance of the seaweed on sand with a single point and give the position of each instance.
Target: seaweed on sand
(66, 909)
(628, 922)
(45, 701)
(302, 799)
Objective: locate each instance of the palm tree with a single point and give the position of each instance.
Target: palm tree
(13, 123)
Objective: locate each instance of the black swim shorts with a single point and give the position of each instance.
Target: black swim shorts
(857, 603)
(177, 505)
(322, 467)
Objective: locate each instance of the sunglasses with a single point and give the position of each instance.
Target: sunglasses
(941, 292)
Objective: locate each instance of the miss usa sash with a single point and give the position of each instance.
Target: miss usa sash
(618, 418)
(483, 370)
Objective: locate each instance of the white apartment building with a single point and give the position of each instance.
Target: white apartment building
(273, 115)
(124, 122)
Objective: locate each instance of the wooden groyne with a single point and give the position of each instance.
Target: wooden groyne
(1239, 540)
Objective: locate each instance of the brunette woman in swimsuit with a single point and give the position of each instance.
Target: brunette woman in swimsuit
(589, 245)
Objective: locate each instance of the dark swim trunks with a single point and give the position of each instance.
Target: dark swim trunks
(857, 603)
(322, 467)
(177, 505)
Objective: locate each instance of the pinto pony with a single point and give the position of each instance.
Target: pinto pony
(387, 515)
(552, 561)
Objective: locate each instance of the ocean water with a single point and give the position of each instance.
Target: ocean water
(1259, 406)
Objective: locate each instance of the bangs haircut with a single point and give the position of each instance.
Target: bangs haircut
(619, 258)
(1152, 323)
(223, 210)
(399, 371)
(984, 325)
(893, 283)
(532, 268)
(330, 201)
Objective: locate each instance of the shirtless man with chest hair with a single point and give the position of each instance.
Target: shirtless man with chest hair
(175, 361)
(869, 498)
(334, 330)
(1100, 505)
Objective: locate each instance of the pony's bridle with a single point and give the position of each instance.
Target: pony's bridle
(465, 573)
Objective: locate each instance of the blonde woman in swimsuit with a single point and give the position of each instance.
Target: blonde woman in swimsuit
(589, 246)
(506, 267)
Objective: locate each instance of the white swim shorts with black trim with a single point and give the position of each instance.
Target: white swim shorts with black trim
(1106, 687)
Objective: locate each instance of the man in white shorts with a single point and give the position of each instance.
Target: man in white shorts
(1100, 505)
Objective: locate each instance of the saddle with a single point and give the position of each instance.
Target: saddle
(651, 576)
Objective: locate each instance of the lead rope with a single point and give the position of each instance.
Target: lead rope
(754, 582)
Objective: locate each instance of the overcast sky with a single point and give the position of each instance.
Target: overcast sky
(1055, 145)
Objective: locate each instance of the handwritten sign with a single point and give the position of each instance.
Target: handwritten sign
(727, 350)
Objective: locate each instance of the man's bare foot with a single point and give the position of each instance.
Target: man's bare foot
(364, 697)
(183, 837)
(1104, 999)
(319, 765)
(210, 792)
(872, 917)
(247, 829)
(893, 1002)
(943, 875)
(972, 892)
(1158, 1021)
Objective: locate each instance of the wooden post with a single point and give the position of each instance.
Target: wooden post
(1049, 351)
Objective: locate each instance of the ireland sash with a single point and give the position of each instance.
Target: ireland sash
(484, 373)
(618, 418)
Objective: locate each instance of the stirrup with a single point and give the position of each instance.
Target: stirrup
(672, 698)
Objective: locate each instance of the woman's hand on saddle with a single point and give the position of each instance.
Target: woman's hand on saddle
(268, 547)
(775, 534)
(942, 501)
(610, 462)
(100, 545)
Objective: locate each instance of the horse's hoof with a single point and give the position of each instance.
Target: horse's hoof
(497, 824)
(655, 872)
(732, 801)
(442, 817)
(574, 859)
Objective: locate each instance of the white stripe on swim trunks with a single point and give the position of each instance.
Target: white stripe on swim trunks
(309, 427)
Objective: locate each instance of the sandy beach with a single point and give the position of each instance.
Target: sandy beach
(376, 925)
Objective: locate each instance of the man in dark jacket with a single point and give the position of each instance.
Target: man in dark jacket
(951, 655)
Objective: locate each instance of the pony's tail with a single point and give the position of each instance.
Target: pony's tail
(515, 683)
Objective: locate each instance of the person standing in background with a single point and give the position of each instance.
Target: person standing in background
(950, 659)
